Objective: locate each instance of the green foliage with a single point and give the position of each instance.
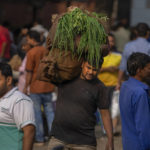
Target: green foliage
(87, 26)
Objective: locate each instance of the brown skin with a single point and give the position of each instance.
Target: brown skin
(120, 78)
(32, 43)
(143, 75)
(4, 45)
(111, 69)
(28, 138)
(29, 130)
(26, 47)
(5, 84)
(28, 81)
(107, 122)
(111, 41)
(89, 73)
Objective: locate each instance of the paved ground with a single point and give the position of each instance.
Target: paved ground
(101, 140)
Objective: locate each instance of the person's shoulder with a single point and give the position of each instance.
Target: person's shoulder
(132, 86)
(116, 55)
(19, 96)
(40, 47)
(31, 51)
(98, 83)
(130, 44)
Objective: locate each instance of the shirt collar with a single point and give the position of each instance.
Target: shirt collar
(135, 81)
(8, 94)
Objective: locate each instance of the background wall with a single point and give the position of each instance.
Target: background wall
(140, 11)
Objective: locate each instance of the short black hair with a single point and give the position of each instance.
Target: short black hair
(142, 29)
(34, 35)
(94, 63)
(111, 34)
(137, 61)
(5, 69)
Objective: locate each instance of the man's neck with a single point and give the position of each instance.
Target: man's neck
(9, 89)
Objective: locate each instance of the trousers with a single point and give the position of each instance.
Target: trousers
(55, 144)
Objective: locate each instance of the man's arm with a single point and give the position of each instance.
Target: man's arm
(120, 78)
(4, 45)
(28, 138)
(110, 69)
(23, 114)
(28, 81)
(142, 120)
(108, 128)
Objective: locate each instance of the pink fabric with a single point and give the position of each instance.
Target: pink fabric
(5, 37)
(22, 77)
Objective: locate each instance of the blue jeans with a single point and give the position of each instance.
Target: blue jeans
(46, 101)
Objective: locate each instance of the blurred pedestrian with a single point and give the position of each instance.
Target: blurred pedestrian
(121, 34)
(140, 44)
(5, 43)
(135, 104)
(40, 92)
(109, 76)
(38, 27)
(22, 69)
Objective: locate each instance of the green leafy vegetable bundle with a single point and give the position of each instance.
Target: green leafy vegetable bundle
(82, 33)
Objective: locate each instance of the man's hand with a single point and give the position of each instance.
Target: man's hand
(109, 146)
(118, 86)
(28, 138)
(108, 128)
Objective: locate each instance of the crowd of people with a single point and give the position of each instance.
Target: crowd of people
(128, 62)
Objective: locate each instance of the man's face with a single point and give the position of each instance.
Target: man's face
(88, 72)
(111, 42)
(30, 41)
(145, 74)
(4, 84)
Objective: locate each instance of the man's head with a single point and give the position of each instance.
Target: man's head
(111, 40)
(142, 30)
(5, 78)
(138, 66)
(33, 38)
(90, 71)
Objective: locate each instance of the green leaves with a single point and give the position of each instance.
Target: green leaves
(81, 23)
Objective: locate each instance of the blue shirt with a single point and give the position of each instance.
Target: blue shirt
(135, 115)
(138, 45)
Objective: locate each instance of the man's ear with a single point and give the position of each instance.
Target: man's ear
(82, 64)
(9, 81)
(138, 71)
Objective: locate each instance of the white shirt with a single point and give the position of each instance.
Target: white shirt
(16, 111)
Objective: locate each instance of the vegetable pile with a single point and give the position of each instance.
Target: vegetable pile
(86, 26)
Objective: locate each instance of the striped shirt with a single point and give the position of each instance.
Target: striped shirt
(16, 111)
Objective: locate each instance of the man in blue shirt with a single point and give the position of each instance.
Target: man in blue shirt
(135, 104)
(139, 45)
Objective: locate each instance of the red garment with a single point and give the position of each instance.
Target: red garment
(5, 37)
